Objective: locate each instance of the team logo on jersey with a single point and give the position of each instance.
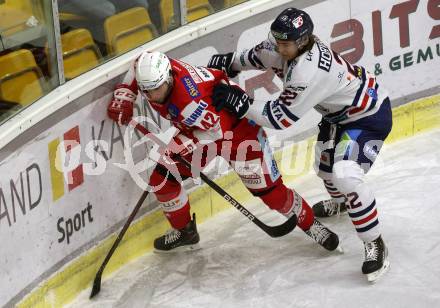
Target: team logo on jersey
(173, 110)
(372, 93)
(190, 87)
(298, 22)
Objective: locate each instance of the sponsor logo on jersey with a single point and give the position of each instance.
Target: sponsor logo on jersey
(251, 173)
(173, 110)
(196, 114)
(275, 173)
(298, 22)
(325, 57)
(204, 73)
(190, 87)
(276, 110)
(192, 72)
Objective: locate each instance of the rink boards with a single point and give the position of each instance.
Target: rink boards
(56, 223)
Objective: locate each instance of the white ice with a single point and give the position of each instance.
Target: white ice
(241, 266)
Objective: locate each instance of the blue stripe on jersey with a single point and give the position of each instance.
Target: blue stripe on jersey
(364, 211)
(270, 115)
(288, 113)
(369, 227)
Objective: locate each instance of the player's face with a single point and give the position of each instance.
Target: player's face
(160, 94)
(287, 49)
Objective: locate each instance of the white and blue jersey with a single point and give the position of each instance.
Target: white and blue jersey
(319, 79)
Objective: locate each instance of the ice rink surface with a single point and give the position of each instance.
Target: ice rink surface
(240, 266)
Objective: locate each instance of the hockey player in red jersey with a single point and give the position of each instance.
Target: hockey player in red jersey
(181, 93)
(356, 117)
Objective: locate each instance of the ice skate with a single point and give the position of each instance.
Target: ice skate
(183, 239)
(324, 236)
(376, 260)
(328, 208)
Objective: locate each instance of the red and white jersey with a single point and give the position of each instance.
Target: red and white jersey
(319, 78)
(189, 105)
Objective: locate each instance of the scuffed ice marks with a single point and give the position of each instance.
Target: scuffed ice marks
(240, 266)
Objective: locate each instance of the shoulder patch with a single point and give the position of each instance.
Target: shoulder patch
(173, 110)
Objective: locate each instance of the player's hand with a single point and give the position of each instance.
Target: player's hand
(180, 145)
(232, 98)
(223, 62)
(120, 108)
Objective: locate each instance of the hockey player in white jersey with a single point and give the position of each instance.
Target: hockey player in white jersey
(356, 118)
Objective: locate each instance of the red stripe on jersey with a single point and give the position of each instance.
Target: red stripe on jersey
(285, 123)
(366, 219)
(364, 100)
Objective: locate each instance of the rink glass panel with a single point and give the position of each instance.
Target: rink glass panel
(38, 54)
(28, 65)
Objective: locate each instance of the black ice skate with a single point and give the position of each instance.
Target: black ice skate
(323, 236)
(328, 208)
(376, 259)
(183, 239)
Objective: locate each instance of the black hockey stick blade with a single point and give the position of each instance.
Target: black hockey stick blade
(96, 284)
(283, 229)
(97, 281)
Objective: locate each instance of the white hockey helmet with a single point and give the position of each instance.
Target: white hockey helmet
(152, 70)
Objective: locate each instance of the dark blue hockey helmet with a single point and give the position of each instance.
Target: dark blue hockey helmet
(292, 25)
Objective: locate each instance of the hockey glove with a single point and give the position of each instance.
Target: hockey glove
(120, 108)
(223, 62)
(232, 98)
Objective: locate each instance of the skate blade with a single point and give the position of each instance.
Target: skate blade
(373, 277)
(184, 248)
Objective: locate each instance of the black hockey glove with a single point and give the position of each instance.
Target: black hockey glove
(223, 62)
(232, 98)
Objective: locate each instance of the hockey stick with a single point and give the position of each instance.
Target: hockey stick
(97, 282)
(273, 231)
